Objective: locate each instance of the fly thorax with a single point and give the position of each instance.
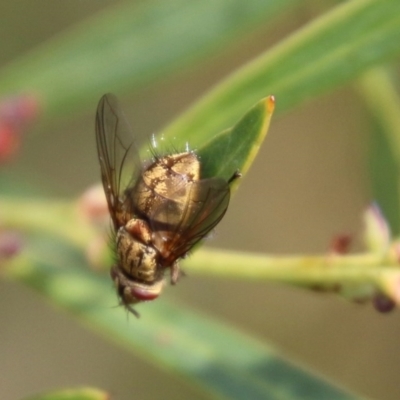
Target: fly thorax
(167, 180)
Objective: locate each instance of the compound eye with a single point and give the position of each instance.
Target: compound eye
(146, 292)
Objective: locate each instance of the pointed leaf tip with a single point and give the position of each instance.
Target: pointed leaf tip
(270, 104)
(234, 149)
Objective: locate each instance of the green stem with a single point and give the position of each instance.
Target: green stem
(62, 219)
(297, 269)
(383, 101)
(56, 217)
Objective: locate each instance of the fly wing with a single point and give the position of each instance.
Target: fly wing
(182, 227)
(118, 156)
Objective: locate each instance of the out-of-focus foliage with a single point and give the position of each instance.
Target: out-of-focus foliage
(126, 49)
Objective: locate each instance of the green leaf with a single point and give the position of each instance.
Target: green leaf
(129, 46)
(379, 93)
(327, 53)
(225, 362)
(235, 149)
(73, 394)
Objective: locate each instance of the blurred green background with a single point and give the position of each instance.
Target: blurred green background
(308, 183)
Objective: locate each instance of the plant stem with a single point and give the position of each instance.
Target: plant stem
(329, 271)
(296, 269)
(56, 217)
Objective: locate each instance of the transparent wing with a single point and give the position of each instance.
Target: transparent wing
(181, 229)
(118, 156)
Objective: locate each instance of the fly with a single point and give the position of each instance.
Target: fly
(159, 210)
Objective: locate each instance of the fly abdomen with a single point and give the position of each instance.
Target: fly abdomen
(138, 258)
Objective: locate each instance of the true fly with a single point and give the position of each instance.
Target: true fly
(159, 209)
